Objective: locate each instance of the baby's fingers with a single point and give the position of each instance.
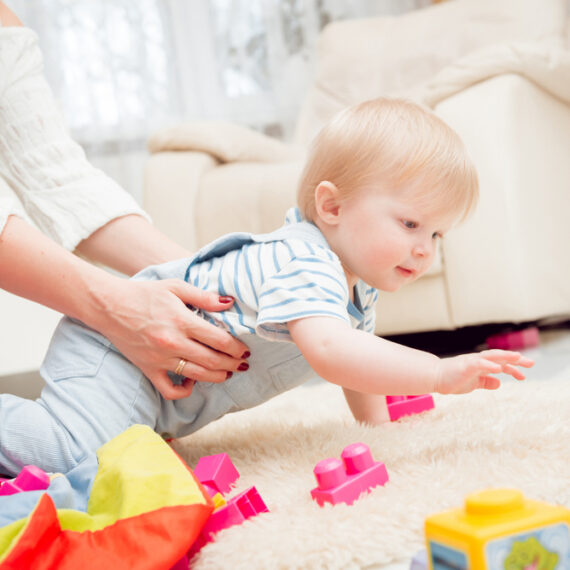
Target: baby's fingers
(507, 357)
(513, 371)
(489, 382)
(525, 362)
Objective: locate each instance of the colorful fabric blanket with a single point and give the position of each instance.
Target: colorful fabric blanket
(134, 505)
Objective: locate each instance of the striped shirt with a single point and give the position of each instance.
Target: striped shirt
(274, 282)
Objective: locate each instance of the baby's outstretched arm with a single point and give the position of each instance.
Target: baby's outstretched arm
(364, 363)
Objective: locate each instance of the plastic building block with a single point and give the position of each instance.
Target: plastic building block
(344, 481)
(399, 406)
(30, 478)
(238, 509)
(498, 529)
(419, 561)
(217, 473)
(526, 338)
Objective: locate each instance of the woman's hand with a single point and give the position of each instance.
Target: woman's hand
(467, 372)
(148, 321)
(150, 324)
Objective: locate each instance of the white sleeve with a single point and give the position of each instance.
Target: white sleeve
(6, 209)
(62, 193)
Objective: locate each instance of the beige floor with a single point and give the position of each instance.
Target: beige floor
(552, 362)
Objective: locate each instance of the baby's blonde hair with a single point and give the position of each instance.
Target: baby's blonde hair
(396, 141)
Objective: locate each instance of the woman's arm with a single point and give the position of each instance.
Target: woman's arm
(147, 321)
(129, 244)
(7, 17)
(365, 364)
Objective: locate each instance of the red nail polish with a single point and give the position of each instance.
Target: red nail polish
(225, 299)
(246, 354)
(229, 375)
(243, 366)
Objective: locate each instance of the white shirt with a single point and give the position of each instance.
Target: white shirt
(61, 192)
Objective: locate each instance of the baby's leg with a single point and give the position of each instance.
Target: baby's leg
(92, 394)
(31, 435)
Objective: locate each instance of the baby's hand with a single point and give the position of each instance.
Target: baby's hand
(467, 372)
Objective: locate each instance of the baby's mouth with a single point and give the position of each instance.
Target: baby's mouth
(406, 272)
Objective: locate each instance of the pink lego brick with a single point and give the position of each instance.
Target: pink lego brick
(344, 481)
(399, 406)
(217, 473)
(238, 509)
(30, 478)
(516, 340)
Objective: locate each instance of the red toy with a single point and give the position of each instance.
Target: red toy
(344, 481)
(399, 406)
(526, 338)
(238, 509)
(30, 478)
(218, 474)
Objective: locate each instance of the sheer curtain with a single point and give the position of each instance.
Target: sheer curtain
(121, 69)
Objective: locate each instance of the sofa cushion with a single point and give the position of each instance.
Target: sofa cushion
(226, 142)
(395, 54)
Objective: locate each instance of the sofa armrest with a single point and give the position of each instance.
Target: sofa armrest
(226, 142)
(509, 261)
(171, 186)
(186, 156)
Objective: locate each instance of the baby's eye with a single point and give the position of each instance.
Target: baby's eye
(409, 224)
(436, 235)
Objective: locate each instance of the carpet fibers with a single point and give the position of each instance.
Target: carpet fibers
(517, 436)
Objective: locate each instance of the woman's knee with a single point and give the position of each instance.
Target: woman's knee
(7, 17)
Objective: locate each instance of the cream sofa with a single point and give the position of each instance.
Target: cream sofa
(498, 73)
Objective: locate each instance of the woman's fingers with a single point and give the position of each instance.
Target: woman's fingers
(205, 333)
(200, 330)
(217, 368)
(168, 389)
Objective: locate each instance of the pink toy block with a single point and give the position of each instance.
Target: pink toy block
(238, 509)
(217, 473)
(30, 478)
(516, 340)
(344, 481)
(399, 406)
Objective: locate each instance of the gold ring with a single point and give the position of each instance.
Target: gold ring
(181, 364)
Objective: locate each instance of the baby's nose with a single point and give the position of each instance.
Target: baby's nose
(424, 249)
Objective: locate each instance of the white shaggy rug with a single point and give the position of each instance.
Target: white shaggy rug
(517, 436)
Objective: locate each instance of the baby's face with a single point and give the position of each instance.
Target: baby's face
(387, 240)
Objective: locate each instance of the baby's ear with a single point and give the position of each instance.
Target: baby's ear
(327, 202)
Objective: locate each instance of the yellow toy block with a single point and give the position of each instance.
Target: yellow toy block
(498, 529)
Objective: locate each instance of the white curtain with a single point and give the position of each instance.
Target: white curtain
(122, 69)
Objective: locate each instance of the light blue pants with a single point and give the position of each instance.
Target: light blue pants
(93, 393)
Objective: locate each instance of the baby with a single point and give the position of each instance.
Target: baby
(384, 181)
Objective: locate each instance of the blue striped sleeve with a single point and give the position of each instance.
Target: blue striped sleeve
(308, 286)
(369, 297)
